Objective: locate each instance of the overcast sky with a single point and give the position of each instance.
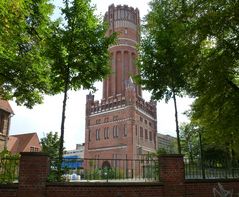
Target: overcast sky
(47, 117)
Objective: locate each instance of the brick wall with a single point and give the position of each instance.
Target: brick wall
(203, 188)
(33, 173)
(34, 170)
(9, 190)
(105, 190)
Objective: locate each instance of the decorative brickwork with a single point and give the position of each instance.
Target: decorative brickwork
(113, 124)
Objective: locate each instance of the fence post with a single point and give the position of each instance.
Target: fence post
(33, 173)
(172, 175)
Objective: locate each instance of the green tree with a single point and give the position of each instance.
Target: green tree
(162, 52)
(50, 145)
(24, 69)
(214, 70)
(78, 48)
(9, 165)
(189, 134)
(201, 39)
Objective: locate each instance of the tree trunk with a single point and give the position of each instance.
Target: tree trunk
(63, 117)
(176, 121)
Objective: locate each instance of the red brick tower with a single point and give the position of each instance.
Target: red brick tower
(125, 21)
(121, 125)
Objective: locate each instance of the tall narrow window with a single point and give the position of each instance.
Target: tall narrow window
(106, 133)
(89, 135)
(150, 136)
(97, 134)
(146, 134)
(125, 130)
(1, 121)
(115, 132)
(141, 132)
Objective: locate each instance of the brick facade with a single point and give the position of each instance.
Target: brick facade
(122, 124)
(5, 119)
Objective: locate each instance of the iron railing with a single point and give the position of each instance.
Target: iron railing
(105, 170)
(198, 169)
(9, 169)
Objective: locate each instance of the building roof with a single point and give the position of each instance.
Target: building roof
(18, 143)
(4, 105)
(166, 136)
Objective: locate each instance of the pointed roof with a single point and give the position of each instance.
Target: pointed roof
(18, 143)
(4, 105)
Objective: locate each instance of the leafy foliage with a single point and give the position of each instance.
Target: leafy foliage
(162, 49)
(50, 144)
(195, 44)
(78, 49)
(162, 52)
(189, 134)
(9, 165)
(104, 174)
(213, 71)
(24, 69)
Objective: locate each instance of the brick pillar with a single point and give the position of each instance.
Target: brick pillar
(172, 175)
(33, 172)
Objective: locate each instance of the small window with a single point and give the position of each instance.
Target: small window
(125, 31)
(115, 117)
(106, 119)
(89, 138)
(125, 130)
(150, 136)
(98, 121)
(106, 133)
(115, 132)
(141, 119)
(1, 121)
(141, 132)
(145, 122)
(97, 134)
(146, 134)
(150, 124)
(34, 149)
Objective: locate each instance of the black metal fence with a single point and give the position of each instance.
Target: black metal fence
(105, 170)
(9, 169)
(198, 169)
